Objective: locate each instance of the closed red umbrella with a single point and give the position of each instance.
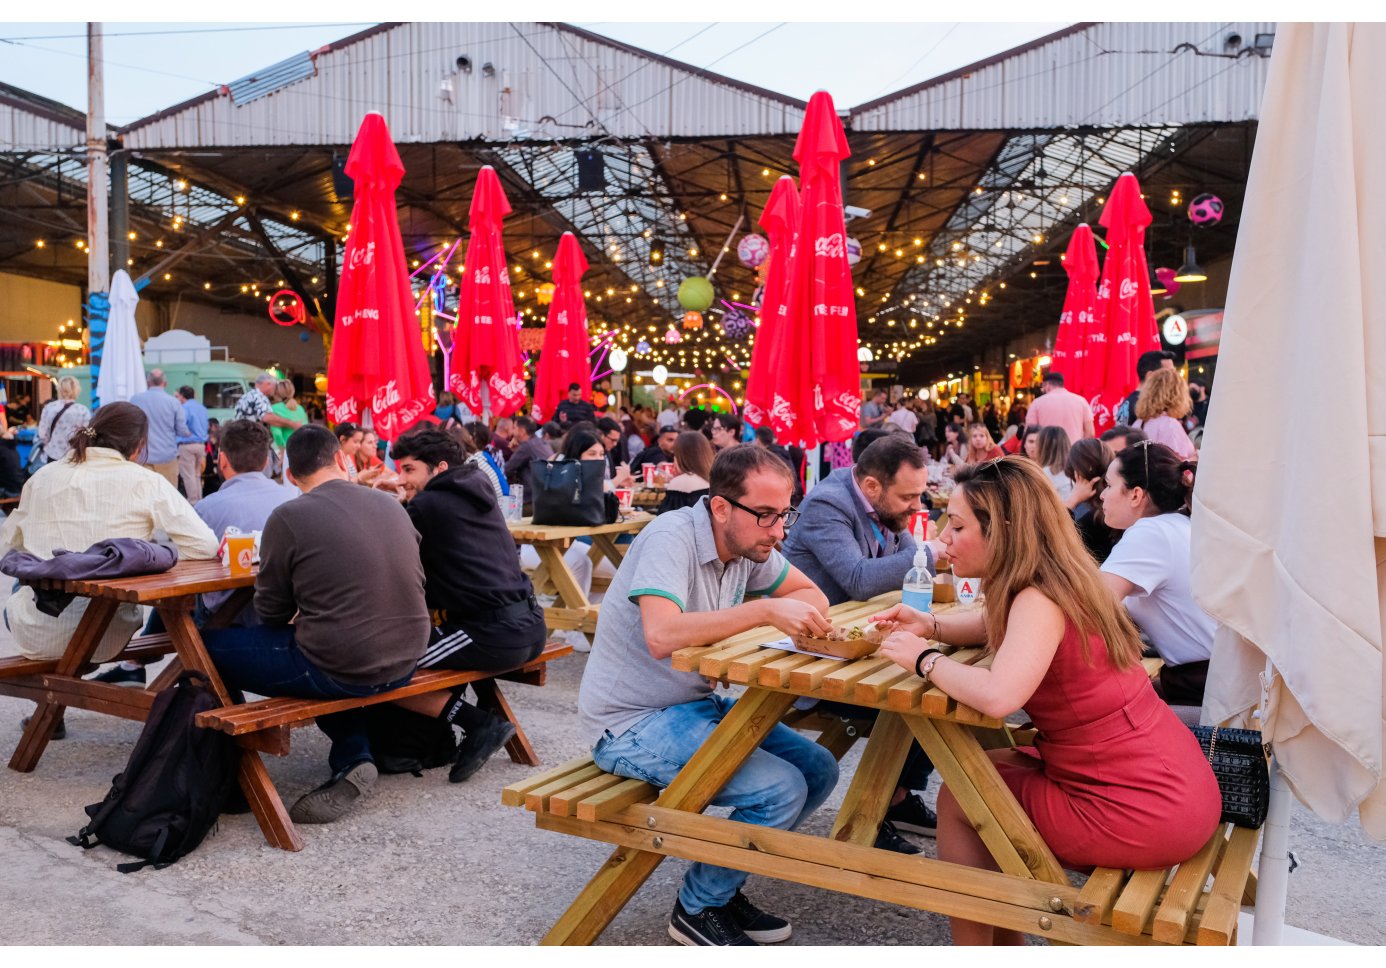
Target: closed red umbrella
(564, 357)
(777, 388)
(1080, 307)
(822, 304)
(486, 347)
(1125, 326)
(377, 362)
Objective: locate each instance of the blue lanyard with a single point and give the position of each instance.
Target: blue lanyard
(880, 538)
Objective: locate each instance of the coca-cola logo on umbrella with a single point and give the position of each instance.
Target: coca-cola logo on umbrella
(362, 255)
(830, 247)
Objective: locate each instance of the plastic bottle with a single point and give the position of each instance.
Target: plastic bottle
(918, 592)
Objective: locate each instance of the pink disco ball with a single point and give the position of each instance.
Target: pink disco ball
(752, 250)
(1205, 210)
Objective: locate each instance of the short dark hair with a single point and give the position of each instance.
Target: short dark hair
(1131, 434)
(580, 439)
(765, 435)
(694, 419)
(1055, 378)
(1150, 361)
(883, 458)
(866, 438)
(607, 424)
(667, 429)
(552, 430)
(574, 386)
(527, 424)
(731, 424)
(735, 464)
(429, 446)
(481, 436)
(187, 393)
(246, 444)
(310, 449)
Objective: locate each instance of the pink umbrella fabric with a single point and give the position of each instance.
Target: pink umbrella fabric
(822, 303)
(1125, 326)
(486, 347)
(377, 362)
(1080, 308)
(778, 394)
(564, 358)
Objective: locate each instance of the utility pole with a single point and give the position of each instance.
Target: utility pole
(98, 208)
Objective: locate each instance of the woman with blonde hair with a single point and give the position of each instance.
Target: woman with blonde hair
(980, 446)
(1052, 455)
(60, 419)
(1115, 779)
(1163, 404)
(285, 405)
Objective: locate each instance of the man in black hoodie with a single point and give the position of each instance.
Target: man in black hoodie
(487, 616)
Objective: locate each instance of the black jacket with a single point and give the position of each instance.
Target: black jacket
(650, 455)
(569, 413)
(471, 567)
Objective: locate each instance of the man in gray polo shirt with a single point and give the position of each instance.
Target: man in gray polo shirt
(695, 577)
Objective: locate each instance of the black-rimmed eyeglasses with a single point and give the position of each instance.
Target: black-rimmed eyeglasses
(767, 519)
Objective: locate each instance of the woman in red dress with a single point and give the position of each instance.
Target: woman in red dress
(1115, 779)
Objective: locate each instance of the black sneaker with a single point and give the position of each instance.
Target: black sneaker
(59, 728)
(713, 927)
(760, 927)
(888, 838)
(118, 675)
(478, 746)
(914, 815)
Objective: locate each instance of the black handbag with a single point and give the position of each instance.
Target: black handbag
(570, 492)
(1238, 758)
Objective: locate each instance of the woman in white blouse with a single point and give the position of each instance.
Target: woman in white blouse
(1147, 498)
(96, 492)
(60, 419)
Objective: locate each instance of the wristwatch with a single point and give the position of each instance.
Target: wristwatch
(928, 668)
(919, 669)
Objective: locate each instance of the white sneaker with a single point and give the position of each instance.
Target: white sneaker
(574, 638)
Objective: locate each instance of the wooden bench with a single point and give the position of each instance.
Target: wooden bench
(264, 725)
(24, 678)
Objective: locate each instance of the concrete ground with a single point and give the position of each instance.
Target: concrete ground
(425, 861)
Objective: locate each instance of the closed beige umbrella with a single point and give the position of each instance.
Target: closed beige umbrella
(1289, 524)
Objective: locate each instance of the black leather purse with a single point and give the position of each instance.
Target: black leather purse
(571, 492)
(1239, 761)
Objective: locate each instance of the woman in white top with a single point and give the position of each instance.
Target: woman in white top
(1147, 498)
(1161, 408)
(1052, 455)
(60, 420)
(96, 492)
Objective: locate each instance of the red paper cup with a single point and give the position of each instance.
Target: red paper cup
(649, 471)
(623, 497)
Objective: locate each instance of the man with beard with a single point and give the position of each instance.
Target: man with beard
(694, 577)
(852, 542)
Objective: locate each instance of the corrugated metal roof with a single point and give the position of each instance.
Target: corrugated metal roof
(1104, 75)
(263, 83)
(29, 122)
(522, 80)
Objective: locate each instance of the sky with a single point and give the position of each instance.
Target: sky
(150, 66)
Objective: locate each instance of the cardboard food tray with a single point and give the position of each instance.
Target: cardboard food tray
(837, 648)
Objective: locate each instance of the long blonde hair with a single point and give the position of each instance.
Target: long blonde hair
(1033, 544)
(975, 456)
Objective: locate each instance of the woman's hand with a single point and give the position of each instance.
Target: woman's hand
(1084, 489)
(903, 649)
(903, 618)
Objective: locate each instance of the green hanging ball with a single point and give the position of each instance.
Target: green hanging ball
(695, 293)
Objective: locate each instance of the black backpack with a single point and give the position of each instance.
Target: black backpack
(173, 788)
(403, 741)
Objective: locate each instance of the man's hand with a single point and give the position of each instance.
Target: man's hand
(793, 616)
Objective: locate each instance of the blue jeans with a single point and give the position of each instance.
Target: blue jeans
(779, 784)
(264, 659)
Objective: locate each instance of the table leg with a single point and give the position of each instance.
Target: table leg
(87, 636)
(873, 785)
(569, 592)
(489, 696)
(990, 806)
(606, 546)
(740, 732)
(260, 793)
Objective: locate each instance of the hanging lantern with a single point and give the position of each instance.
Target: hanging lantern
(853, 251)
(320, 381)
(752, 250)
(692, 320)
(1205, 211)
(737, 324)
(673, 336)
(695, 293)
(642, 347)
(544, 293)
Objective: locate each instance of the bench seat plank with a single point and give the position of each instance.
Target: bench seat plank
(1136, 905)
(1218, 926)
(1185, 888)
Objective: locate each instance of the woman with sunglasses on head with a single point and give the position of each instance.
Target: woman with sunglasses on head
(1115, 779)
(1146, 497)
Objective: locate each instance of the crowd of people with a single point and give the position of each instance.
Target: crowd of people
(1081, 545)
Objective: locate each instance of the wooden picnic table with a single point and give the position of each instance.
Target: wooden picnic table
(173, 595)
(574, 610)
(1030, 893)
